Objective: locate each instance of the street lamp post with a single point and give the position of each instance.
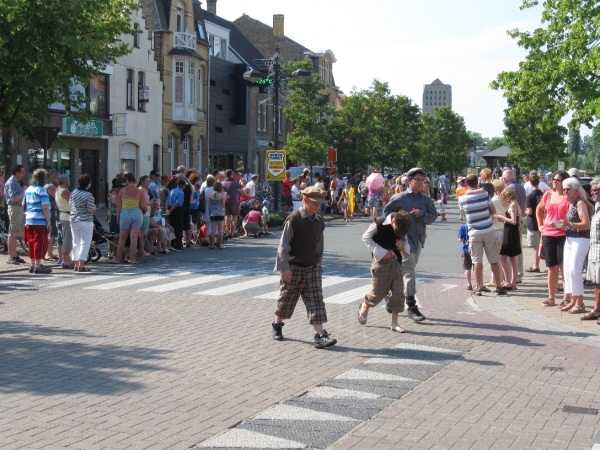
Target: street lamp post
(275, 75)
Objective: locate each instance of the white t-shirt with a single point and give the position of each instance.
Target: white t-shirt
(252, 186)
(541, 186)
(443, 181)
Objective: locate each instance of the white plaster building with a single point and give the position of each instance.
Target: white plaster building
(136, 107)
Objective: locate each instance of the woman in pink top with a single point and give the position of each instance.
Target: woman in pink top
(550, 211)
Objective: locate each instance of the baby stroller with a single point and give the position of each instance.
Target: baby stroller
(99, 236)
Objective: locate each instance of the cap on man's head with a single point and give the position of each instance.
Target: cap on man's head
(315, 194)
(306, 171)
(415, 170)
(155, 173)
(573, 172)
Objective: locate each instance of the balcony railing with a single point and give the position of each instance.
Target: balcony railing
(181, 39)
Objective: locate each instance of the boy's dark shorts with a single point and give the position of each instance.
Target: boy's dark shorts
(287, 200)
(467, 264)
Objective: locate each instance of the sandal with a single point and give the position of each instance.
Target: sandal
(398, 329)
(361, 319)
(592, 315)
(211, 248)
(577, 309)
(566, 307)
(563, 304)
(478, 292)
(66, 266)
(83, 270)
(533, 270)
(500, 291)
(548, 303)
(469, 288)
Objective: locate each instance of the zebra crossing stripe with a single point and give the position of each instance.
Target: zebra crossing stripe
(128, 282)
(186, 283)
(327, 281)
(252, 283)
(350, 296)
(326, 413)
(81, 280)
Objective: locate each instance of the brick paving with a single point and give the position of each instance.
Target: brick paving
(91, 369)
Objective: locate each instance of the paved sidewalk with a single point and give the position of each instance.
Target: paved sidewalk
(103, 369)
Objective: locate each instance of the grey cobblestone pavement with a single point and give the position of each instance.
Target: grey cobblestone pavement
(104, 361)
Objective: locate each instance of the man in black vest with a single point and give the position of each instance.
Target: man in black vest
(386, 238)
(299, 259)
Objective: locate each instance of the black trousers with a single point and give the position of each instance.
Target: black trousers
(176, 221)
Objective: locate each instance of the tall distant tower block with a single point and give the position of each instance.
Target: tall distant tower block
(436, 94)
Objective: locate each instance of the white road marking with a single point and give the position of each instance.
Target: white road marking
(186, 283)
(332, 392)
(130, 281)
(327, 281)
(253, 282)
(427, 348)
(238, 438)
(358, 374)
(289, 412)
(447, 287)
(81, 280)
(349, 296)
(385, 359)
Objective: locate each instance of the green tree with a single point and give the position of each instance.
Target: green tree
(562, 62)
(309, 111)
(574, 143)
(350, 133)
(45, 48)
(445, 141)
(496, 142)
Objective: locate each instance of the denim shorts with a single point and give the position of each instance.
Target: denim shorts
(131, 218)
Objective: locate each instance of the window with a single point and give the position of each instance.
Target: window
(201, 31)
(141, 103)
(186, 151)
(180, 26)
(200, 87)
(261, 117)
(179, 81)
(171, 152)
(191, 83)
(218, 47)
(129, 101)
(136, 36)
(219, 129)
(97, 94)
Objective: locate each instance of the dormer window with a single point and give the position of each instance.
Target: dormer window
(218, 47)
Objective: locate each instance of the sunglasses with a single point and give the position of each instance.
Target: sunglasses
(566, 189)
(556, 179)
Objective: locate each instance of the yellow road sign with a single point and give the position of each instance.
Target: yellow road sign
(275, 160)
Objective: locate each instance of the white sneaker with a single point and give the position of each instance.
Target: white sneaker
(167, 250)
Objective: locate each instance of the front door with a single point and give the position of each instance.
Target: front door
(89, 164)
(61, 160)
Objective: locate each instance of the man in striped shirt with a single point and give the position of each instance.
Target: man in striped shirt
(478, 207)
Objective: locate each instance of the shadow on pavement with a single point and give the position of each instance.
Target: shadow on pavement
(37, 359)
(514, 329)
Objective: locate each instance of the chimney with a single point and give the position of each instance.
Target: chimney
(278, 25)
(211, 6)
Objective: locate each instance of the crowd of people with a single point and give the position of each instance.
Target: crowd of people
(563, 229)
(147, 216)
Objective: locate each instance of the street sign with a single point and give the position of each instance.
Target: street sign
(275, 160)
(561, 166)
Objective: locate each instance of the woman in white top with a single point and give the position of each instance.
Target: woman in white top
(210, 182)
(296, 194)
(64, 210)
(498, 225)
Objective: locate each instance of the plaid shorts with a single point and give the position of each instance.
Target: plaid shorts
(387, 276)
(306, 282)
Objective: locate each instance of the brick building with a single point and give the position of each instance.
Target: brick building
(270, 40)
(180, 43)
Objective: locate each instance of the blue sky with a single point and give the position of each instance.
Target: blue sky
(409, 43)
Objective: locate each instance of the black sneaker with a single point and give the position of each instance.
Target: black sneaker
(323, 340)
(42, 269)
(414, 313)
(14, 261)
(277, 331)
(20, 260)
